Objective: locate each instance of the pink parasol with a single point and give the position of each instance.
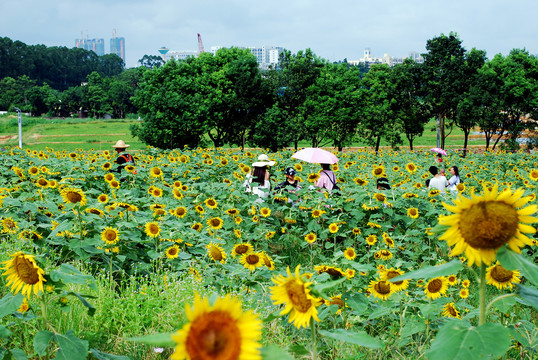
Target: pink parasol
(439, 151)
(315, 156)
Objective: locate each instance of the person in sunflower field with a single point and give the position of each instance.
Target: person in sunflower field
(258, 180)
(124, 158)
(290, 184)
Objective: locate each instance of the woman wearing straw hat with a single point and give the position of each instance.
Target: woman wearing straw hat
(257, 181)
(124, 158)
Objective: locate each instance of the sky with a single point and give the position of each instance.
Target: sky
(332, 29)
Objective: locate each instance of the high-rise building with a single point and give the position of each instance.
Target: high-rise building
(95, 45)
(117, 46)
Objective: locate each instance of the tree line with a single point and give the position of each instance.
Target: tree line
(226, 99)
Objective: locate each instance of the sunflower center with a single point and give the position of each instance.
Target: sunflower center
(216, 254)
(110, 235)
(215, 222)
(382, 287)
(435, 286)
(74, 197)
(452, 311)
(172, 251)
(297, 295)
(213, 336)
(501, 274)
(26, 271)
(489, 224)
(241, 249)
(392, 274)
(252, 259)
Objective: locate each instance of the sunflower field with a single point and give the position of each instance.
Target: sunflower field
(173, 259)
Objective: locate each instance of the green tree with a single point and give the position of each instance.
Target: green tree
(410, 110)
(444, 79)
(378, 119)
(95, 96)
(151, 61)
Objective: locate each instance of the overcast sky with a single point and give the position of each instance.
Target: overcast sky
(334, 30)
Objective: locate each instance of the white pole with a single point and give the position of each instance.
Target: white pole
(20, 127)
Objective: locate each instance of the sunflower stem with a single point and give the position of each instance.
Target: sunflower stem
(314, 346)
(44, 312)
(501, 297)
(482, 317)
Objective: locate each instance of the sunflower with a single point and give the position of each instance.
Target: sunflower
(411, 167)
(23, 274)
(265, 212)
(218, 331)
(179, 212)
(73, 196)
(199, 209)
(233, 212)
(356, 231)
(197, 226)
(157, 192)
(109, 177)
(9, 226)
(464, 293)
(466, 283)
(172, 252)
(533, 175)
(378, 171)
(42, 183)
(313, 177)
(452, 280)
(388, 240)
(317, 213)
(436, 287)
(336, 273)
(412, 213)
(211, 203)
(350, 254)
(294, 293)
(251, 260)
(110, 236)
(152, 229)
(310, 238)
(177, 194)
(450, 311)
(215, 223)
(383, 255)
(237, 233)
(333, 228)
(371, 239)
(156, 172)
(388, 274)
(434, 192)
(502, 278)
(241, 249)
(34, 170)
(381, 289)
(482, 224)
(115, 184)
(270, 235)
(460, 187)
(103, 198)
(95, 211)
(216, 253)
(380, 197)
(267, 261)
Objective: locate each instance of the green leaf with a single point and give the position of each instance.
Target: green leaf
(358, 302)
(4, 333)
(382, 311)
(413, 326)
(273, 352)
(352, 337)
(458, 341)
(514, 261)
(431, 271)
(66, 225)
(530, 295)
(69, 274)
(318, 289)
(10, 303)
(298, 350)
(18, 354)
(71, 347)
(91, 309)
(160, 340)
(42, 341)
(99, 355)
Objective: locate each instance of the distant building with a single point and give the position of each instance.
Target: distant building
(369, 60)
(95, 45)
(117, 46)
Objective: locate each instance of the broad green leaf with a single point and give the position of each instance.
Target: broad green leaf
(273, 352)
(4, 332)
(318, 289)
(66, 225)
(298, 350)
(352, 337)
(91, 309)
(99, 355)
(431, 271)
(42, 341)
(71, 347)
(412, 326)
(161, 340)
(458, 341)
(10, 303)
(69, 274)
(18, 354)
(358, 302)
(514, 261)
(382, 311)
(530, 295)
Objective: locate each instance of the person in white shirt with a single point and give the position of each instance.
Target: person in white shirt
(455, 179)
(258, 180)
(437, 182)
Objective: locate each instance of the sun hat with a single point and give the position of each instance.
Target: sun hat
(263, 160)
(383, 183)
(120, 144)
(290, 171)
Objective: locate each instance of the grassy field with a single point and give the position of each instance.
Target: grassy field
(88, 134)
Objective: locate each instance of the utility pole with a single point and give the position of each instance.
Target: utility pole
(20, 126)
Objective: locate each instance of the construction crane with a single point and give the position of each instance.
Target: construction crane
(200, 44)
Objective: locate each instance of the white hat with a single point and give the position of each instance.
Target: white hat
(263, 160)
(121, 145)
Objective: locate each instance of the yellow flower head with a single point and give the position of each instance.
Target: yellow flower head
(23, 274)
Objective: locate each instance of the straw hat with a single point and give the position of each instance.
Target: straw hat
(120, 144)
(263, 160)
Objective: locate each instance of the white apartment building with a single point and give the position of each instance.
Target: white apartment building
(369, 60)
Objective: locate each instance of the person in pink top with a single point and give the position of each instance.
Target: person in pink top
(327, 179)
